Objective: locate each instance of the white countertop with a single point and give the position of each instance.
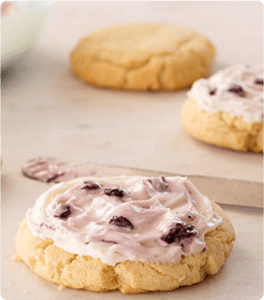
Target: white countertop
(46, 111)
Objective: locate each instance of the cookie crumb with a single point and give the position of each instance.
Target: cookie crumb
(61, 287)
(16, 257)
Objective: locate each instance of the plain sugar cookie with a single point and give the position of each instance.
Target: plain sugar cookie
(227, 109)
(143, 57)
(135, 234)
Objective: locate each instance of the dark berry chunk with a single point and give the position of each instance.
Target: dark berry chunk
(237, 89)
(190, 217)
(54, 177)
(163, 184)
(179, 232)
(109, 242)
(258, 81)
(62, 211)
(212, 91)
(90, 185)
(114, 192)
(159, 184)
(121, 222)
(46, 226)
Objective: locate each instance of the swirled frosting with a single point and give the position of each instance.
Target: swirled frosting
(237, 90)
(125, 218)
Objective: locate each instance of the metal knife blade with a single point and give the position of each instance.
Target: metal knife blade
(221, 190)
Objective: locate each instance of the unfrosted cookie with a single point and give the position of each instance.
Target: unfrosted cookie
(143, 57)
(227, 109)
(135, 234)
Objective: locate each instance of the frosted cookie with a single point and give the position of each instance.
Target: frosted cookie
(135, 234)
(143, 57)
(227, 109)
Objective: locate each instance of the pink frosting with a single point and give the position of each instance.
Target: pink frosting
(53, 170)
(125, 218)
(218, 92)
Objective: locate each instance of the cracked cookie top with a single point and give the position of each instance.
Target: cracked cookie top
(144, 56)
(237, 90)
(125, 218)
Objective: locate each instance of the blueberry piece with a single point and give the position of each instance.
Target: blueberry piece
(109, 242)
(237, 89)
(258, 81)
(114, 192)
(90, 185)
(179, 232)
(63, 211)
(159, 184)
(190, 217)
(163, 184)
(46, 226)
(121, 222)
(212, 91)
(54, 177)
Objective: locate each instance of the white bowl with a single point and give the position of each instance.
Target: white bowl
(20, 32)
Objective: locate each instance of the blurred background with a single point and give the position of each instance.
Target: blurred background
(49, 112)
